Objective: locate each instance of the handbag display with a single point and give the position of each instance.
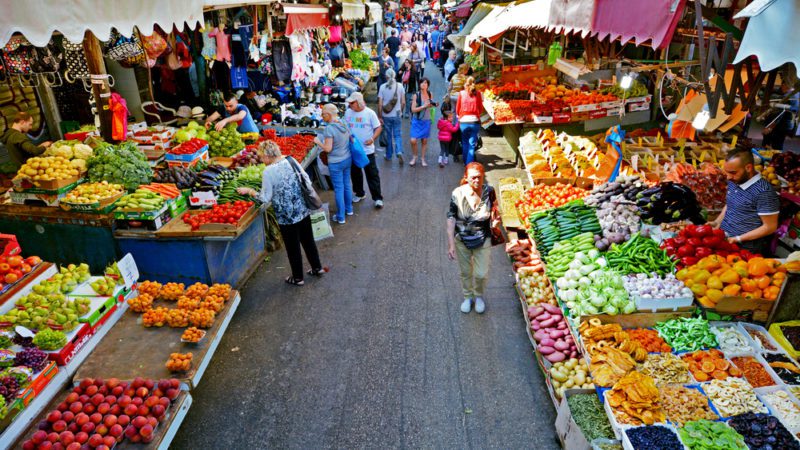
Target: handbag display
(17, 55)
(46, 59)
(313, 202)
(128, 52)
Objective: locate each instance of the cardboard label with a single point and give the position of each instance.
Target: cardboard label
(128, 270)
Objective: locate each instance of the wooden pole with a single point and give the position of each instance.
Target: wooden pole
(99, 80)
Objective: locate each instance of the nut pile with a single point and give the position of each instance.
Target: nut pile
(733, 396)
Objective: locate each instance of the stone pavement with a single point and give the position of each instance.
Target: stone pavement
(376, 354)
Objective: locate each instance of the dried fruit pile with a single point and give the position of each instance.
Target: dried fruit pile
(649, 339)
(666, 368)
(763, 431)
(733, 396)
(635, 400)
(651, 438)
(705, 365)
(753, 371)
(683, 404)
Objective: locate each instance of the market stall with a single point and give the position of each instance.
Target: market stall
(649, 325)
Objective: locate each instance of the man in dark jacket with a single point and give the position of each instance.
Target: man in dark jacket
(16, 140)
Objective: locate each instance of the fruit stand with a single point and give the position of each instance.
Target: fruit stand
(628, 304)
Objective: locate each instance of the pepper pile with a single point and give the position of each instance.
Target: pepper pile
(639, 255)
(225, 213)
(696, 242)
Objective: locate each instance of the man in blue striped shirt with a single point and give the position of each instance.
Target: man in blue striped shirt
(750, 215)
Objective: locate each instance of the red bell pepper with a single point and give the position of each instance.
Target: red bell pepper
(711, 241)
(686, 250)
(688, 261)
(679, 240)
(719, 232)
(669, 249)
(702, 252)
(694, 242)
(703, 230)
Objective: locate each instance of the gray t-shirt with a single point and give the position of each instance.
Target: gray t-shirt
(387, 94)
(341, 141)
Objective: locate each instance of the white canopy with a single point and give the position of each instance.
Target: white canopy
(353, 10)
(375, 13)
(38, 19)
(772, 34)
(225, 4)
(533, 14)
(487, 27)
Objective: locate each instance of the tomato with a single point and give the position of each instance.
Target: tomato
(15, 261)
(26, 268)
(33, 261)
(11, 278)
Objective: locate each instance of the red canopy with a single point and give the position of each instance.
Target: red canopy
(301, 17)
(641, 20)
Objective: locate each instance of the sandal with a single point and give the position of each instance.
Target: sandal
(291, 280)
(318, 272)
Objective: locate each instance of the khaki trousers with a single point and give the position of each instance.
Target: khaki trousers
(474, 265)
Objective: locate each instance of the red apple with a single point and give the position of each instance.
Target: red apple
(63, 406)
(39, 437)
(173, 393)
(46, 445)
(74, 446)
(73, 427)
(99, 382)
(101, 429)
(117, 391)
(124, 401)
(130, 432)
(139, 421)
(81, 418)
(137, 382)
(158, 411)
(124, 420)
(164, 401)
(163, 385)
(111, 399)
(142, 392)
(151, 401)
(28, 445)
(136, 438)
(84, 398)
(146, 430)
(89, 408)
(86, 382)
(112, 382)
(131, 410)
(67, 416)
(109, 420)
(97, 399)
(91, 390)
(72, 397)
(96, 418)
(116, 430)
(143, 410)
(138, 401)
(103, 408)
(52, 437)
(115, 410)
(76, 407)
(109, 441)
(129, 391)
(88, 427)
(176, 383)
(148, 439)
(152, 421)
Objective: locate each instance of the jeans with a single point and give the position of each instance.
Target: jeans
(340, 178)
(294, 236)
(469, 140)
(394, 130)
(444, 149)
(373, 179)
(409, 96)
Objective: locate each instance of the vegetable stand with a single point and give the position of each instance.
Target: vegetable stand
(62, 236)
(204, 256)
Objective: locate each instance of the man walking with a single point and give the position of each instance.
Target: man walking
(394, 45)
(365, 126)
(391, 101)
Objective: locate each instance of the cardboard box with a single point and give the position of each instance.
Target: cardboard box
(38, 383)
(104, 205)
(202, 198)
(30, 198)
(177, 205)
(46, 186)
(562, 117)
(139, 214)
(152, 224)
(567, 430)
(638, 106)
(644, 99)
(598, 114)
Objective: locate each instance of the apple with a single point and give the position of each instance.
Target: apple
(138, 401)
(67, 416)
(137, 382)
(96, 418)
(115, 410)
(76, 407)
(46, 445)
(63, 406)
(91, 390)
(158, 411)
(116, 430)
(59, 426)
(103, 408)
(84, 398)
(109, 441)
(146, 430)
(124, 420)
(39, 437)
(101, 429)
(143, 411)
(109, 421)
(124, 401)
(89, 408)
(74, 446)
(131, 410)
(88, 427)
(152, 421)
(164, 401)
(99, 382)
(139, 421)
(28, 445)
(52, 436)
(73, 427)
(163, 385)
(97, 399)
(176, 383)
(142, 392)
(117, 391)
(72, 397)
(111, 399)
(173, 393)
(151, 401)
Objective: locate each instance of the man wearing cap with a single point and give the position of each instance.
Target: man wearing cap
(366, 126)
(234, 113)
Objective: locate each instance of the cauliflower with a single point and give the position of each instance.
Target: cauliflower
(79, 164)
(82, 151)
(62, 150)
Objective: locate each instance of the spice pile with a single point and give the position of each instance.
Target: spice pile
(588, 413)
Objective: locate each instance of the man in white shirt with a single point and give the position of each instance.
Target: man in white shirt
(392, 100)
(365, 125)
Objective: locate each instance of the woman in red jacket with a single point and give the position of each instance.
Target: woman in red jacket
(469, 107)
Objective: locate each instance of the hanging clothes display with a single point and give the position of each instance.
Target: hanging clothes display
(209, 45)
(300, 43)
(119, 117)
(282, 59)
(223, 52)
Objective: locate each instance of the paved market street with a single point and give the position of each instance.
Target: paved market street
(377, 354)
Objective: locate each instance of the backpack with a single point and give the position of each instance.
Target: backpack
(75, 61)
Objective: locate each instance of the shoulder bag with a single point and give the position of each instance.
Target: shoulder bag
(313, 202)
(357, 152)
(388, 107)
(496, 232)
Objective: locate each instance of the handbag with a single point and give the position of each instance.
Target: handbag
(17, 55)
(46, 59)
(75, 61)
(310, 196)
(406, 76)
(496, 233)
(127, 51)
(389, 106)
(357, 152)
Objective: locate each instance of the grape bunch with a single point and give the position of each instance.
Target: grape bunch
(22, 341)
(9, 387)
(48, 339)
(5, 341)
(31, 357)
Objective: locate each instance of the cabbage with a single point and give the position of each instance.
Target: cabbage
(590, 310)
(561, 283)
(609, 309)
(630, 308)
(584, 281)
(597, 300)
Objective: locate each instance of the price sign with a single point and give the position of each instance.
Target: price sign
(128, 270)
(24, 332)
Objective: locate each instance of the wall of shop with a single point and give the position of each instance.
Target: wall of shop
(125, 84)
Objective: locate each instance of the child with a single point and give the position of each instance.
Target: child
(446, 127)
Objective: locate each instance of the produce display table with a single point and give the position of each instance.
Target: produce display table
(176, 254)
(60, 236)
(134, 351)
(164, 433)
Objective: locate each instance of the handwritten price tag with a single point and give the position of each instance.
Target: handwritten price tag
(128, 270)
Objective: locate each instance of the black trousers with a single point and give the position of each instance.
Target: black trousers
(294, 236)
(373, 179)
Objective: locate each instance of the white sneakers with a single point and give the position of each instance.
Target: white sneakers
(357, 199)
(466, 305)
(443, 161)
(378, 204)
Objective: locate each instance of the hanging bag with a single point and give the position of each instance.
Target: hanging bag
(497, 237)
(239, 78)
(310, 196)
(357, 151)
(128, 52)
(154, 46)
(46, 59)
(17, 55)
(75, 61)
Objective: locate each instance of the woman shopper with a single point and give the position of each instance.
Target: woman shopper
(456, 84)
(336, 143)
(420, 131)
(418, 57)
(470, 218)
(280, 186)
(447, 127)
(469, 108)
(409, 76)
(385, 62)
(403, 54)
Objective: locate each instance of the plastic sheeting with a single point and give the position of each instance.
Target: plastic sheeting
(572, 16)
(772, 36)
(38, 19)
(640, 20)
(486, 28)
